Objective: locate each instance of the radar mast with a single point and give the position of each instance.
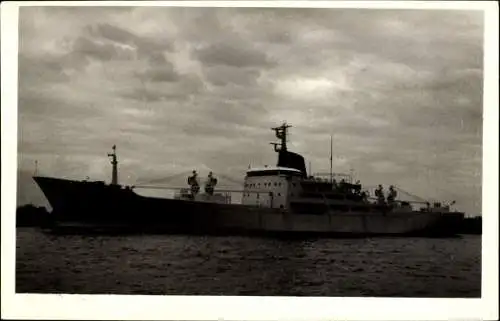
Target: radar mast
(281, 134)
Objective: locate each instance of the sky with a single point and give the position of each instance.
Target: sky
(177, 89)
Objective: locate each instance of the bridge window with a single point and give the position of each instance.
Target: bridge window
(279, 194)
(275, 184)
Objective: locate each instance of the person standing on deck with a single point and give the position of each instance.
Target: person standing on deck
(379, 193)
(210, 184)
(193, 182)
(364, 196)
(391, 197)
(342, 186)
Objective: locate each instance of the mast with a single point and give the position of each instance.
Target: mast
(114, 162)
(281, 133)
(331, 159)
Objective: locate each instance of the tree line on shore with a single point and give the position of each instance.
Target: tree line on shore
(34, 216)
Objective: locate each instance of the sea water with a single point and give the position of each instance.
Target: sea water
(195, 265)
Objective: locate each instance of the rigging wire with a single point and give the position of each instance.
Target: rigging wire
(164, 179)
(371, 188)
(230, 179)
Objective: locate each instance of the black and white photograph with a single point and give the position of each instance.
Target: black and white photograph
(249, 151)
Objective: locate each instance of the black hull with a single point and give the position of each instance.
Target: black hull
(96, 208)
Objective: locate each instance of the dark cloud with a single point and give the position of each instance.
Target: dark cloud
(160, 70)
(87, 47)
(229, 55)
(225, 75)
(45, 69)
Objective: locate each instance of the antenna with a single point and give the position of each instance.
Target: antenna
(36, 168)
(331, 159)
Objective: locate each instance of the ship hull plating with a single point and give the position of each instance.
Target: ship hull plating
(86, 207)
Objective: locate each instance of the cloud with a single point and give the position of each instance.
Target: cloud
(145, 46)
(226, 75)
(160, 70)
(182, 88)
(229, 55)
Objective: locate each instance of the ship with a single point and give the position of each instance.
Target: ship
(278, 201)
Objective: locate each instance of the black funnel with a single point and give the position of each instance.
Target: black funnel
(292, 160)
